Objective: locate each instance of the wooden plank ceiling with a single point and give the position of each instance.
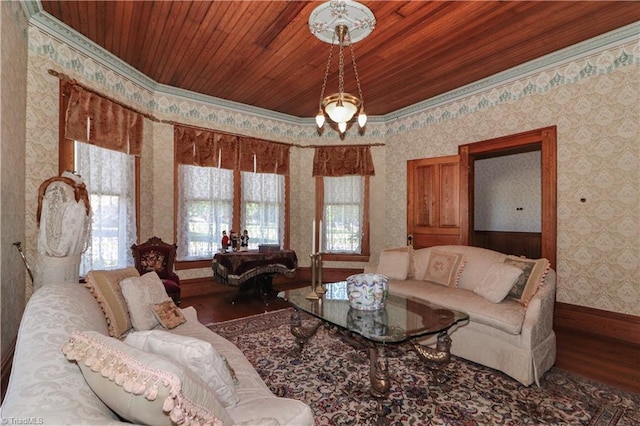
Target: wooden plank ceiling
(262, 54)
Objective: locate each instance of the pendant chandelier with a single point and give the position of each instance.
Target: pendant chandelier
(341, 22)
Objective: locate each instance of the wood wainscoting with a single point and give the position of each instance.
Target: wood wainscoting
(601, 345)
(527, 244)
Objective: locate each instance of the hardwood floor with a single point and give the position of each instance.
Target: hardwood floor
(610, 361)
(607, 361)
(217, 306)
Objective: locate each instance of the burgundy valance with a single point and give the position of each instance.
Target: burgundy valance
(343, 160)
(264, 156)
(200, 147)
(99, 121)
(207, 148)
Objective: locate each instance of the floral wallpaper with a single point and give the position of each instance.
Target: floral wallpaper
(597, 118)
(13, 55)
(592, 99)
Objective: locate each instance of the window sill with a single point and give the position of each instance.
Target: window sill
(345, 257)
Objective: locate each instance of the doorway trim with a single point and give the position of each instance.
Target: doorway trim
(543, 139)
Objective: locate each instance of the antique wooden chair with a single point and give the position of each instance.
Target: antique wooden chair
(156, 255)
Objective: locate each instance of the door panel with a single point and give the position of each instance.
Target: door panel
(449, 195)
(433, 201)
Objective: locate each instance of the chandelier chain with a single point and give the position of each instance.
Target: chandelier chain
(341, 69)
(326, 75)
(355, 72)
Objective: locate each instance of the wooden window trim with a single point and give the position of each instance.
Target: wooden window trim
(345, 257)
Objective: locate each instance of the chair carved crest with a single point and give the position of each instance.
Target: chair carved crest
(156, 255)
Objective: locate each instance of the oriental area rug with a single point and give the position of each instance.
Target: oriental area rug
(333, 379)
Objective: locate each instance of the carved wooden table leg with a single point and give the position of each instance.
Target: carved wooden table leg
(301, 333)
(440, 355)
(379, 378)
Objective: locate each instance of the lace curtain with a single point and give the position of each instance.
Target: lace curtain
(205, 209)
(263, 208)
(343, 214)
(110, 179)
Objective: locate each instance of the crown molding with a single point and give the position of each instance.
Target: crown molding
(49, 24)
(58, 30)
(575, 52)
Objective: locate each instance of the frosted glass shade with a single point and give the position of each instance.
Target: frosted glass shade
(340, 113)
(362, 119)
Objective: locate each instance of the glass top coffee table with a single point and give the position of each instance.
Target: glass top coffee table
(403, 319)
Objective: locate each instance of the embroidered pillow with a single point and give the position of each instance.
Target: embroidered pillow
(105, 287)
(444, 268)
(197, 355)
(141, 293)
(533, 274)
(394, 264)
(497, 282)
(142, 387)
(168, 314)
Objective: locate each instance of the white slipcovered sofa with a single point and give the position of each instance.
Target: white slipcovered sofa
(47, 388)
(511, 333)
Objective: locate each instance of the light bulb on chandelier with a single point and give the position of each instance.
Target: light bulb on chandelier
(341, 107)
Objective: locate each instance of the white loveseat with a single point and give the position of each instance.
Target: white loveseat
(46, 388)
(508, 334)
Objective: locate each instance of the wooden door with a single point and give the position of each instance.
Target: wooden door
(433, 201)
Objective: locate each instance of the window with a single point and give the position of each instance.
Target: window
(205, 209)
(344, 215)
(228, 182)
(263, 208)
(110, 179)
(206, 206)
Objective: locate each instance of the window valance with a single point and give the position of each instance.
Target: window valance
(99, 121)
(343, 161)
(264, 156)
(202, 147)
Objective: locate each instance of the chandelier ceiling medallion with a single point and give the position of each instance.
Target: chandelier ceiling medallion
(342, 23)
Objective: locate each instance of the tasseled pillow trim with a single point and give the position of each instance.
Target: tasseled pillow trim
(456, 279)
(138, 379)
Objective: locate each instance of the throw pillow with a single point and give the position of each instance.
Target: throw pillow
(105, 287)
(142, 387)
(168, 314)
(197, 355)
(420, 262)
(533, 274)
(140, 293)
(394, 264)
(444, 268)
(497, 282)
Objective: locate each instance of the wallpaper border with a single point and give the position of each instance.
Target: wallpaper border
(567, 66)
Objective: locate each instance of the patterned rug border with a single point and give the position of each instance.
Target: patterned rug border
(247, 318)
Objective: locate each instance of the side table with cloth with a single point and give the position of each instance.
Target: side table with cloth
(253, 269)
